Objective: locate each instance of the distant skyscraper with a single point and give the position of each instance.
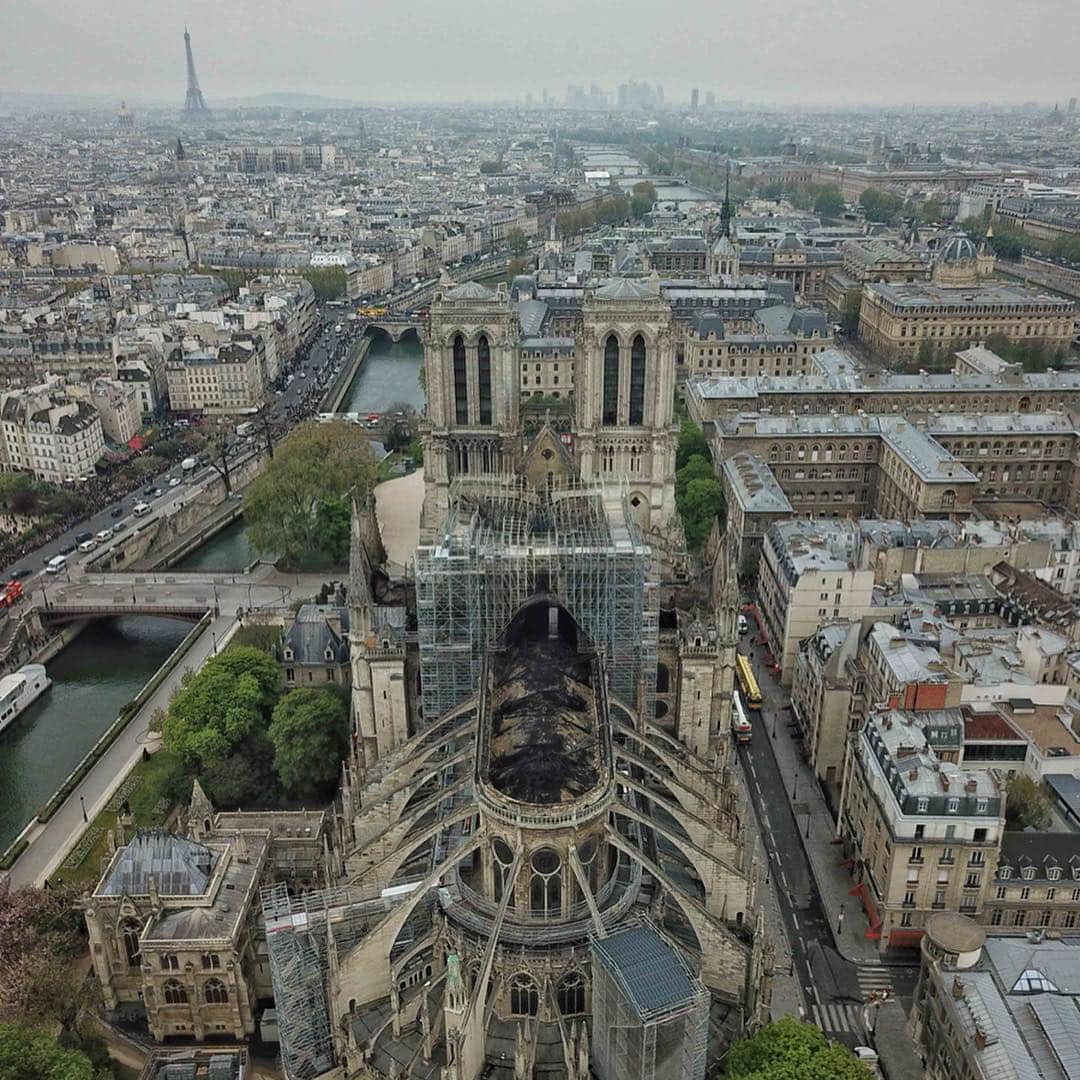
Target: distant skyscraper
(694, 99)
(194, 103)
(124, 120)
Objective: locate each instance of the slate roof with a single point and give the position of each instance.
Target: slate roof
(648, 970)
(179, 867)
(311, 634)
(471, 290)
(623, 289)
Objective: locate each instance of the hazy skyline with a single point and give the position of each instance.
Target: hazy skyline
(817, 52)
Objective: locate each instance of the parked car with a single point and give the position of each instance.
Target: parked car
(175, 481)
(22, 572)
(82, 537)
(66, 549)
(120, 526)
(117, 511)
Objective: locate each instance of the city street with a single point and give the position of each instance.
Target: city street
(791, 815)
(296, 402)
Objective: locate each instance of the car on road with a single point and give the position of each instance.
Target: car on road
(175, 481)
(88, 545)
(149, 489)
(66, 549)
(120, 526)
(103, 535)
(22, 572)
(116, 511)
(82, 537)
(154, 492)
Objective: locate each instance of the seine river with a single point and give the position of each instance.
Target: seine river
(112, 659)
(105, 667)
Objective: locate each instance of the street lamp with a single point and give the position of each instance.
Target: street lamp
(213, 638)
(807, 833)
(775, 719)
(840, 921)
(795, 783)
(82, 803)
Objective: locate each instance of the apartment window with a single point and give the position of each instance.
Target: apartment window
(939, 897)
(1051, 893)
(905, 918)
(953, 805)
(916, 855)
(1025, 893)
(923, 806)
(909, 899)
(920, 830)
(1045, 917)
(975, 858)
(946, 855)
(996, 916)
(972, 881)
(981, 805)
(1000, 893)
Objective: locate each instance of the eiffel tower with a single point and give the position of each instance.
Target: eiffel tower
(195, 103)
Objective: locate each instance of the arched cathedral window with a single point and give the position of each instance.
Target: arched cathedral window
(611, 380)
(461, 382)
(483, 371)
(637, 380)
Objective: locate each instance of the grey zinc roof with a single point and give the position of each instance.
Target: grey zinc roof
(755, 486)
(623, 289)
(179, 867)
(471, 290)
(648, 970)
(531, 314)
(311, 633)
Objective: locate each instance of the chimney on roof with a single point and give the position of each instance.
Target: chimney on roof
(971, 786)
(958, 989)
(944, 782)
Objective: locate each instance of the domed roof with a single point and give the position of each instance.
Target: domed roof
(790, 243)
(958, 249)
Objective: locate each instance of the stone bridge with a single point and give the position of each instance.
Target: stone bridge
(173, 596)
(395, 327)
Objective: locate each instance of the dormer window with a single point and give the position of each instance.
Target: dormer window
(1054, 873)
(1004, 872)
(288, 653)
(329, 654)
(1028, 873)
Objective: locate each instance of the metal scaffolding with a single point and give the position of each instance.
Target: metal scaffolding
(299, 932)
(650, 1013)
(503, 544)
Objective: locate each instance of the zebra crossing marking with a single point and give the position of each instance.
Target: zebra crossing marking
(839, 1018)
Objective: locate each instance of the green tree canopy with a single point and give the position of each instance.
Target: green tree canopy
(517, 242)
(702, 503)
(828, 201)
(310, 734)
(315, 463)
(26, 1054)
(879, 205)
(333, 524)
(691, 443)
(1026, 804)
(789, 1049)
(222, 705)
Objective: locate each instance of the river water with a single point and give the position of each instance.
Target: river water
(388, 375)
(104, 668)
(112, 659)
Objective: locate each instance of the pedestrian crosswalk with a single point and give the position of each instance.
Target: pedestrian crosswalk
(838, 1018)
(874, 979)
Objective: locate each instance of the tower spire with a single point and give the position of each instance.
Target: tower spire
(194, 103)
(725, 211)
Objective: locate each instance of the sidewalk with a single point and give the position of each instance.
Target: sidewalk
(833, 881)
(787, 995)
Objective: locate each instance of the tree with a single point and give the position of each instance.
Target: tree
(26, 1054)
(310, 734)
(1026, 804)
(245, 777)
(691, 444)
(849, 319)
(702, 504)
(828, 201)
(222, 705)
(516, 242)
(880, 205)
(642, 199)
(327, 282)
(316, 462)
(789, 1049)
(333, 525)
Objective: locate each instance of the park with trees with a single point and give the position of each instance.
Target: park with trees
(299, 506)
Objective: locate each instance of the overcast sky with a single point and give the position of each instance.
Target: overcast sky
(782, 51)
